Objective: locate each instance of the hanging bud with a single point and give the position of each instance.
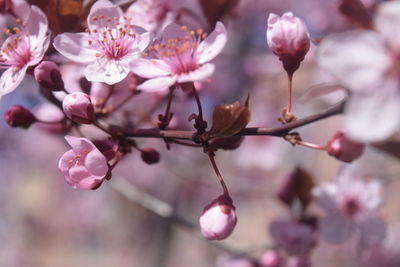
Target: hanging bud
(47, 74)
(78, 107)
(288, 38)
(150, 155)
(344, 149)
(18, 116)
(218, 219)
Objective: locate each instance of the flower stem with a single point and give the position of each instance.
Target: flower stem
(211, 155)
(289, 104)
(311, 145)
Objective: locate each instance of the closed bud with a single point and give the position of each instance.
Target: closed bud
(344, 149)
(218, 219)
(18, 116)
(150, 155)
(271, 258)
(288, 38)
(48, 75)
(78, 107)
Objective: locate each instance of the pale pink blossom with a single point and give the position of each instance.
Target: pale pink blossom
(50, 113)
(365, 62)
(180, 56)
(24, 47)
(218, 219)
(343, 148)
(84, 166)
(295, 238)
(351, 204)
(109, 45)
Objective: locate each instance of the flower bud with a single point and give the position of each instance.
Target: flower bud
(78, 107)
(288, 38)
(18, 116)
(150, 155)
(343, 148)
(218, 219)
(271, 258)
(298, 261)
(48, 75)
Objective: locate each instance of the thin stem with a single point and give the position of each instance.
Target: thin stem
(171, 92)
(101, 127)
(109, 94)
(289, 104)
(311, 145)
(196, 96)
(219, 176)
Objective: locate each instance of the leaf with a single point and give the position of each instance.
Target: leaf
(356, 12)
(229, 119)
(215, 10)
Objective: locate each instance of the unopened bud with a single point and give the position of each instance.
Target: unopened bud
(48, 75)
(150, 155)
(6, 6)
(18, 116)
(288, 38)
(271, 258)
(78, 107)
(218, 219)
(344, 149)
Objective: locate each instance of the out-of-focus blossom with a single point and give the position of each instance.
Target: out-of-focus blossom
(18, 116)
(24, 47)
(343, 148)
(350, 204)
(84, 166)
(50, 113)
(226, 260)
(78, 107)
(180, 56)
(365, 62)
(288, 38)
(298, 261)
(109, 45)
(48, 75)
(218, 219)
(296, 238)
(271, 258)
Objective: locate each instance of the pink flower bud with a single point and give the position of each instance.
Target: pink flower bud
(298, 261)
(150, 155)
(48, 75)
(78, 107)
(288, 38)
(343, 148)
(271, 258)
(218, 219)
(18, 116)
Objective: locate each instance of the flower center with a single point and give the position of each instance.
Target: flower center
(78, 160)
(180, 53)
(112, 37)
(16, 51)
(351, 206)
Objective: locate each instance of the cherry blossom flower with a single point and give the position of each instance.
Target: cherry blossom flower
(108, 46)
(180, 56)
(84, 166)
(350, 204)
(366, 62)
(23, 48)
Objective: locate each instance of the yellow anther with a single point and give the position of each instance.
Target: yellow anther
(94, 18)
(199, 32)
(18, 21)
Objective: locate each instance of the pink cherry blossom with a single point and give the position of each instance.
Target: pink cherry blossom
(78, 107)
(84, 166)
(108, 46)
(350, 204)
(271, 258)
(180, 56)
(366, 61)
(22, 49)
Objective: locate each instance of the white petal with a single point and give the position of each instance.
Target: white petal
(357, 58)
(75, 47)
(336, 229)
(143, 38)
(106, 71)
(213, 44)
(10, 79)
(372, 227)
(171, 32)
(157, 84)
(37, 24)
(103, 8)
(198, 75)
(373, 116)
(325, 196)
(39, 49)
(387, 21)
(150, 68)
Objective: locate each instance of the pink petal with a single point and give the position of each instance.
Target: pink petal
(150, 68)
(37, 24)
(75, 46)
(373, 116)
(372, 227)
(80, 178)
(387, 20)
(335, 228)
(10, 79)
(79, 144)
(197, 75)
(171, 31)
(103, 8)
(157, 84)
(63, 163)
(105, 71)
(96, 163)
(213, 44)
(143, 38)
(357, 58)
(325, 196)
(39, 48)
